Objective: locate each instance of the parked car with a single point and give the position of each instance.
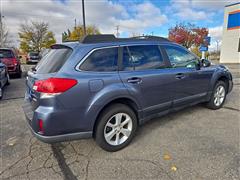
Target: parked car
(4, 77)
(105, 87)
(44, 52)
(33, 57)
(11, 60)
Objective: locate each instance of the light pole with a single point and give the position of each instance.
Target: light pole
(84, 24)
(1, 30)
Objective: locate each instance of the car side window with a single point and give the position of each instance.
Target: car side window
(180, 57)
(101, 60)
(142, 57)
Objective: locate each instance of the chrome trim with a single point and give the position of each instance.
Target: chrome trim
(77, 67)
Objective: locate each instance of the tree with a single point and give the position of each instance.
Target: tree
(4, 36)
(35, 36)
(77, 33)
(187, 35)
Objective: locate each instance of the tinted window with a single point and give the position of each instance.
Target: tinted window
(53, 61)
(180, 57)
(142, 57)
(101, 60)
(4, 53)
(33, 54)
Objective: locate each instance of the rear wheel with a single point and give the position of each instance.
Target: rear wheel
(116, 127)
(218, 96)
(19, 74)
(1, 92)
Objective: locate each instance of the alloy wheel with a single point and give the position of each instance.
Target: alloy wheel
(219, 95)
(118, 129)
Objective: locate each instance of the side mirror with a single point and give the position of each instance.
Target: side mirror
(206, 63)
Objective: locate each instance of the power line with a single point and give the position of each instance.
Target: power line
(117, 29)
(83, 12)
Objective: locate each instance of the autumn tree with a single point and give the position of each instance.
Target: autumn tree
(77, 33)
(187, 35)
(35, 36)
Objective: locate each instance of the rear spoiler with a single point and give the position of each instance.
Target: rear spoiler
(60, 46)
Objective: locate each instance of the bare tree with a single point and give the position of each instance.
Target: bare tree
(5, 40)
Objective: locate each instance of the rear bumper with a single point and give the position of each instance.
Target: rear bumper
(60, 138)
(33, 60)
(54, 126)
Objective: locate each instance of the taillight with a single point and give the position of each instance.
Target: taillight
(40, 124)
(15, 62)
(54, 85)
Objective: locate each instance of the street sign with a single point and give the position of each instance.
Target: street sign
(203, 48)
(207, 40)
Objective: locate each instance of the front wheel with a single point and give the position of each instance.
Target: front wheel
(218, 96)
(116, 127)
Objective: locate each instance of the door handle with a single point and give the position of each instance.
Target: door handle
(179, 76)
(134, 80)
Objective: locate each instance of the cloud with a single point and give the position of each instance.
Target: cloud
(104, 14)
(216, 32)
(212, 4)
(186, 11)
(216, 35)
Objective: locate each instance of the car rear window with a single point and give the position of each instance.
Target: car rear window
(33, 54)
(53, 61)
(4, 53)
(101, 60)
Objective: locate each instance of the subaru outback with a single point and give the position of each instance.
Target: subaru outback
(105, 87)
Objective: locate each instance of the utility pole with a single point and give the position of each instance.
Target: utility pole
(75, 23)
(217, 41)
(84, 24)
(1, 30)
(117, 28)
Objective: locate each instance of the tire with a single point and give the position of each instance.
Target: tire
(1, 92)
(107, 127)
(19, 74)
(8, 80)
(217, 104)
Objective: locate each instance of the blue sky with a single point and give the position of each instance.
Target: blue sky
(134, 17)
(202, 13)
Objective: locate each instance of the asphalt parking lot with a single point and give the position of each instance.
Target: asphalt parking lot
(195, 143)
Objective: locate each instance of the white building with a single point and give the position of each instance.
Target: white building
(230, 50)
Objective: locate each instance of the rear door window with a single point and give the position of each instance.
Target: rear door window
(102, 60)
(142, 57)
(53, 61)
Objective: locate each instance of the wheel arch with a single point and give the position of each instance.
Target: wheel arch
(220, 77)
(122, 100)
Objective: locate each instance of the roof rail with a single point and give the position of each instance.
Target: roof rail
(154, 38)
(98, 38)
(102, 38)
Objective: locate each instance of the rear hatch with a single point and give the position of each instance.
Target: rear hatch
(45, 69)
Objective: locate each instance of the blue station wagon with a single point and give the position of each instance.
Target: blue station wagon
(105, 87)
